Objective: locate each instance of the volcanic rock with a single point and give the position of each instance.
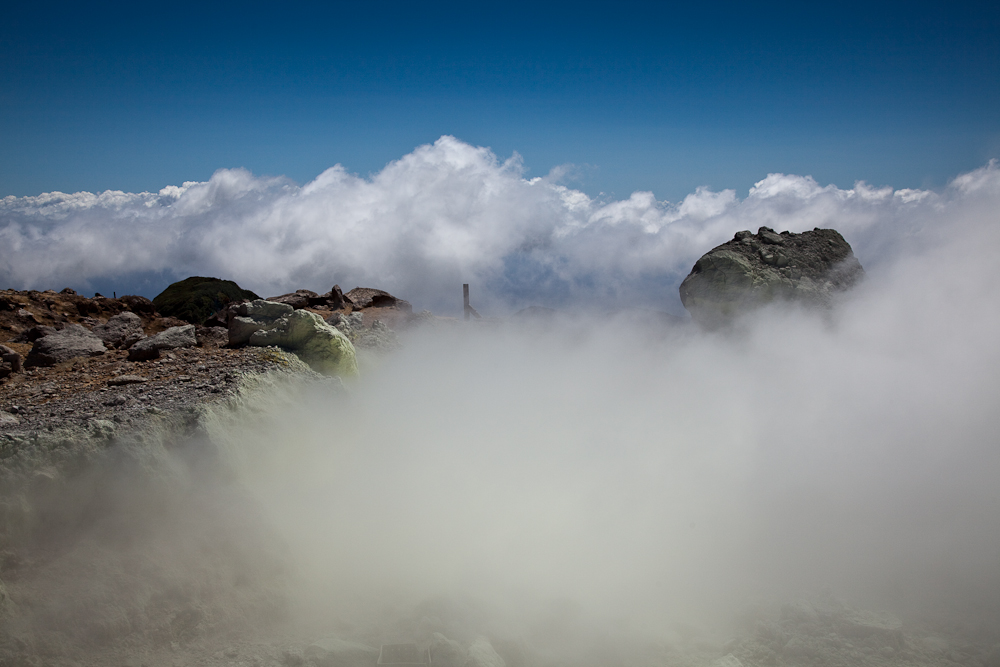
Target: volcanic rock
(753, 270)
(71, 341)
(121, 331)
(297, 299)
(263, 323)
(317, 343)
(138, 304)
(303, 298)
(335, 298)
(33, 334)
(172, 338)
(368, 297)
(11, 357)
(195, 299)
(252, 317)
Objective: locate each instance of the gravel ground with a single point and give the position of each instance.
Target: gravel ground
(109, 388)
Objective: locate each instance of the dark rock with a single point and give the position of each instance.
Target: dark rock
(138, 304)
(195, 299)
(212, 336)
(121, 331)
(334, 298)
(27, 316)
(368, 297)
(86, 307)
(753, 270)
(67, 290)
(70, 342)
(33, 334)
(224, 315)
(11, 357)
(172, 338)
(298, 299)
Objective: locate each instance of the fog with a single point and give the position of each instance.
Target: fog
(606, 472)
(643, 475)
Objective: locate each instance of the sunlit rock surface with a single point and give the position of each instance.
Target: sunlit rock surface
(263, 323)
(753, 270)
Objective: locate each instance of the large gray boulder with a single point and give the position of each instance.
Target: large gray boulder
(169, 339)
(253, 316)
(262, 323)
(753, 270)
(68, 343)
(121, 331)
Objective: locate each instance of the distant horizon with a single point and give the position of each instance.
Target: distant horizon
(444, 214)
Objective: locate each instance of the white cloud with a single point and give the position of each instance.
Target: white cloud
(445, 214)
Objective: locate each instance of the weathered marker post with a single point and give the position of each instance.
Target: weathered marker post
(469, 310)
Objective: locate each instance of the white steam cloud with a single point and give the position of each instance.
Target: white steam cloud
(445, 214)
(655, 478)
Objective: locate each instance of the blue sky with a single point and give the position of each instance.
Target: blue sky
(653, 97)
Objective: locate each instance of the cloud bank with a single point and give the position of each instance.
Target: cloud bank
(445, 214)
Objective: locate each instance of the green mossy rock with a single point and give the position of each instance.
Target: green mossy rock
(754, 270)
(195, 299)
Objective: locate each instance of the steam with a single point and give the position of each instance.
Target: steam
(634, 475)
(445, 214)
(650, 477)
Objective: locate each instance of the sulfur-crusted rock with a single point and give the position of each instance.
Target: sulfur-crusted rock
(753, 270)
(317, 343)
(313, 340)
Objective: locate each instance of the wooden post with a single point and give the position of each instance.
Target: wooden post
(465, 299)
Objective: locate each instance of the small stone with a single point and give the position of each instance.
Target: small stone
(126, 379)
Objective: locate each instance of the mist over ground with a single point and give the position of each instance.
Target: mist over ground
(593, 475)
(647, 478)
(448, 213)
